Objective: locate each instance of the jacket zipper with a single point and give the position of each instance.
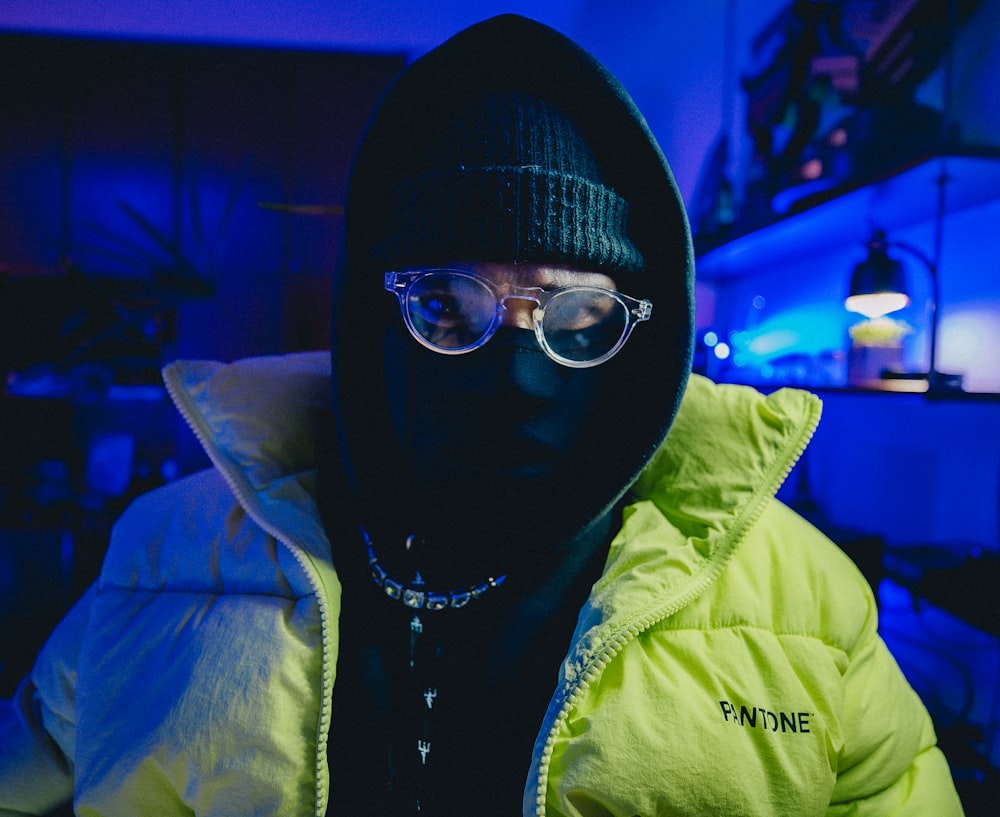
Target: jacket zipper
(575, 691)
(248, 503)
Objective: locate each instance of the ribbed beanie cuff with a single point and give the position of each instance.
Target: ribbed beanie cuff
(509, 179)
(511, 214)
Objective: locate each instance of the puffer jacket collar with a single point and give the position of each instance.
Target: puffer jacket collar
(257, 420)
(728, 452)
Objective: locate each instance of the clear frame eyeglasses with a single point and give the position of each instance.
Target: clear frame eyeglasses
(453, 312)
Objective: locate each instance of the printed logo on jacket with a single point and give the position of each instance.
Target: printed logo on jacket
(758, 717)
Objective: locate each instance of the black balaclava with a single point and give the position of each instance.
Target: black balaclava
(507, 144)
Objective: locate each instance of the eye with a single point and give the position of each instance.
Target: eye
(450, 311)
(437, 306)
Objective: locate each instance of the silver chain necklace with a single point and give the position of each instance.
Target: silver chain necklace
(415, 594)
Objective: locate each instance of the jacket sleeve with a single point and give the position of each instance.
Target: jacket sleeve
(38, 725)
(890, 762)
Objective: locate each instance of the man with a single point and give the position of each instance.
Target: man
(489, 579)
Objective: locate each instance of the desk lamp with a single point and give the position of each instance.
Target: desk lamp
(878, 287)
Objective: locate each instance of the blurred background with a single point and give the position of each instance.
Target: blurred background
(172, 176)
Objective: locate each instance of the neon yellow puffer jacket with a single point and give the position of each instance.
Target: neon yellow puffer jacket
(727, 662)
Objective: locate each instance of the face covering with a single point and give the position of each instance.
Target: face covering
(490, 439)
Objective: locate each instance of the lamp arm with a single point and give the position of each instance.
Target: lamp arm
(932, 270)
(916, 253)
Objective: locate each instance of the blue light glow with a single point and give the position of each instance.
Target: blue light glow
(812, 329)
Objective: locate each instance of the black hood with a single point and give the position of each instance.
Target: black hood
(501, 451)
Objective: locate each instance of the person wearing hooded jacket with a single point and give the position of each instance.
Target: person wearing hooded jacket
(522, 561)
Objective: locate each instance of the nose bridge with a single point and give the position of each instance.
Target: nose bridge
(519, 306)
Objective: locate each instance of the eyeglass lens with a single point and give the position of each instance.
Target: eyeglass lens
(583, 324)
(456, 312)
(450, 311)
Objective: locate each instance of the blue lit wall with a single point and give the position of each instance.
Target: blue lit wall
(788, 323)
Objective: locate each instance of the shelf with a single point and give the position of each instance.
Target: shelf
(845, 215)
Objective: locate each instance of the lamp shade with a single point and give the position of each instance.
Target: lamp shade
(878, 284)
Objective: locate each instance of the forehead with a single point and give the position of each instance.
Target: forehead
(546, 276)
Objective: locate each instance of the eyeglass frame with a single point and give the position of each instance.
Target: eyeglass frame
(636, 309)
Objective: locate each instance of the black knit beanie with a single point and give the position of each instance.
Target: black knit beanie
(508, 177)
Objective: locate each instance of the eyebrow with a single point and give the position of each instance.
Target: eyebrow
(555, 278)
(548, 277)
